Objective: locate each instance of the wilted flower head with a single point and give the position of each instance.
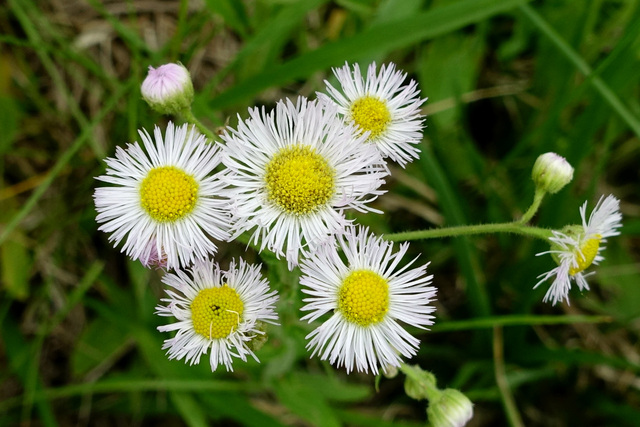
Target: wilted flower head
(577, 247)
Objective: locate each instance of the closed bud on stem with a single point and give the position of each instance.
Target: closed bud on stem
(450, 409)
(168, 89)
(390, 371)
(551, 172)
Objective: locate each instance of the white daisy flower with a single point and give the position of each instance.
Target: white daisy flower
(380, 105)
(294, 171)
(165, 200)
(577, 247)
(367, 295)
(216, 310)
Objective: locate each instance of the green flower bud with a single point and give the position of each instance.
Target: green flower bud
(551, 172)
(420, 384)
(450, 409)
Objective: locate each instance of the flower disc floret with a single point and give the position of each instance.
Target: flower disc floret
(216, 312)
(370, 114)
(299, 180)
(585, 256)
(168, 193)
(363, 297)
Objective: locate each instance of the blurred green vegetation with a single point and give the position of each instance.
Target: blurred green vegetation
(507, 80)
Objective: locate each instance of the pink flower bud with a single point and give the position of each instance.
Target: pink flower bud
(168, 89)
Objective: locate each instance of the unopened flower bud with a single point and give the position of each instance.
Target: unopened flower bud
(153, 256)
(390, 371)
(551, 172)
(168, 89)
(450, 409)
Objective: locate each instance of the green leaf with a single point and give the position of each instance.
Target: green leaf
(15, 266)
(232, 12)
(99, 342)
(306, 402)
(10, 115)
(238, 408)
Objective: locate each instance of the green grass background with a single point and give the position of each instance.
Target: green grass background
(506, 80)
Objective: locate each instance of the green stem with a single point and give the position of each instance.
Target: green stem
(188, 116)
(537, 199)
(466, 230)
(513, 416)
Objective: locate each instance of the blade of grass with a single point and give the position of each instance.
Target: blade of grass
(276, 28)
(601, 87)
(513, 416)
(31, 381)
(63, 160)
(18, 353)
(132, 385)
(379, 38)
(63, 49)
(128, 35)
(74, 298)
(233, 12)
(39, 44)
(193, 414)
(478, 298)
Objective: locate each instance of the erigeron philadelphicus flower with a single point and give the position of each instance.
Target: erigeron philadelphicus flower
(293, 172)
(577, 247)
(164, 201)
(382, 106)
(366, 294)
(217, 311)
(168, 89)
(551, 172)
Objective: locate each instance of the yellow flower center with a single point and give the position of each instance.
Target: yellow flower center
(299, 180)
(216, 312)
(363, 297)
(371, 114)
(586, 255)
(168, 193)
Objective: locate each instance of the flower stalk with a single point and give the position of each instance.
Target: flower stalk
(466, 230)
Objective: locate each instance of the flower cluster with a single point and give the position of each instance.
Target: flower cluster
(285, 179)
